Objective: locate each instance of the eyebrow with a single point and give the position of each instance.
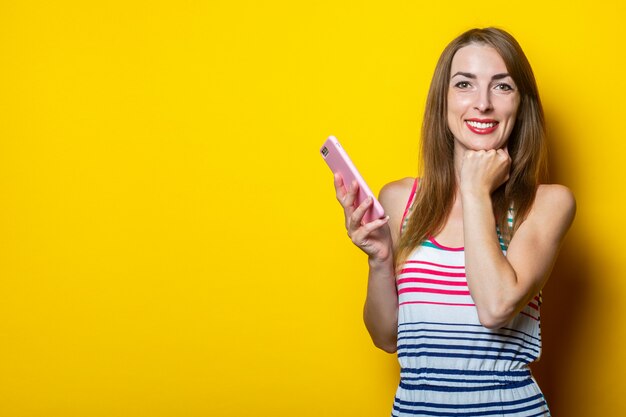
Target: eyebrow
(473, 76)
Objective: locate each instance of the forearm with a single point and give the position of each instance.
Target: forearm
(381, 305)
(490, 277)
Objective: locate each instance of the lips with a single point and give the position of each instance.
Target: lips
(481, 126)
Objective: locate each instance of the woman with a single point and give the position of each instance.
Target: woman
(457, 267)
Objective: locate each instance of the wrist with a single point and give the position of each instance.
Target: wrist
(475, 194)
(380, 262)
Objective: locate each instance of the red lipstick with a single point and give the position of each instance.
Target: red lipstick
(481, 126)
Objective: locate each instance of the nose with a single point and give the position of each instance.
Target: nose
(483, 101)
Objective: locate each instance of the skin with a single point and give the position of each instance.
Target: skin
(480, 90)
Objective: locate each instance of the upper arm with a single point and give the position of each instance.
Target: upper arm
(535, 245)
(394, 197)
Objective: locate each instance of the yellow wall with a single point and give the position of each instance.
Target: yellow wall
(169, 240)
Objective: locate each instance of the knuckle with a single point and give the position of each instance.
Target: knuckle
(371, 226)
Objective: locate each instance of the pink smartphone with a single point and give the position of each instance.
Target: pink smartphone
(339, 162)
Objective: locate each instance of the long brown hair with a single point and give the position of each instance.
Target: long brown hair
(526, 146)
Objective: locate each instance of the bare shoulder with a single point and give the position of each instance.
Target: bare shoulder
(555, 198)
(397, 189)
(394, 197)
(539, 236)
(554, 209)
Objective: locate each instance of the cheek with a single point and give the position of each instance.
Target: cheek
(510, 106)
(454, 107)
(458, 105)
(512, 120)
(453, 119)
(510, 126)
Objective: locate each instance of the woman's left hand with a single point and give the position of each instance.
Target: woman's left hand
(484, 171)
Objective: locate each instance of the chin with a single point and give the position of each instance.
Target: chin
(482, 147)
(485, 145)
(473, 143)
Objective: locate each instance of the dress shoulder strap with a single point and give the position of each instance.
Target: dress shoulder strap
(509, 218)
(409, 204)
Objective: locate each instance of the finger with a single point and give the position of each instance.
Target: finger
(361, 236)
(469, 154)
(503, 153)
(350, 197)
(347, 202)
(357, 215)
(340, 189)
(374, 225)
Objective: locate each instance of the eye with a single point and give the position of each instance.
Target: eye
(503, 87)
(462, 84)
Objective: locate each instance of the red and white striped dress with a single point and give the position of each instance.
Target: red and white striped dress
(450, 364)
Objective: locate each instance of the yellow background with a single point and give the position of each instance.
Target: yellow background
(169, 240)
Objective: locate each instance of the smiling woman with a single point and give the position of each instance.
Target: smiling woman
(474, 240)
(482, 99)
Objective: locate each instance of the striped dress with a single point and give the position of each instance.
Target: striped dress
(450, 364)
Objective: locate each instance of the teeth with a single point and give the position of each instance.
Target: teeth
(480, 125)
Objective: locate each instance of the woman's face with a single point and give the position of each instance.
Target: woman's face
(482, 99)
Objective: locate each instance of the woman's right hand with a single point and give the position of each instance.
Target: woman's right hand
(373, 238)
